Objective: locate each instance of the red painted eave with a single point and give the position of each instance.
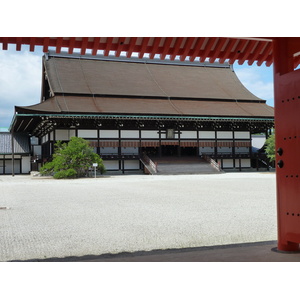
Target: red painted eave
(234, 49)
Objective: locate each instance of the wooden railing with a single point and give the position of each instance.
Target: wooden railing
(149, 164)
(213, 163)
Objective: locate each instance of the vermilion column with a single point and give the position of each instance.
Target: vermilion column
(287, 130)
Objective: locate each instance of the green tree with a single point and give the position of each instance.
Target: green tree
(270, 147)
(72, 159)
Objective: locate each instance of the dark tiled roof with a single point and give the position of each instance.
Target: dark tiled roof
(21, 143)
(104, 105)
(99, 77)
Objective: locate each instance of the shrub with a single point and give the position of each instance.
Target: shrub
(72, 159)
(69, 173)
(270, 147)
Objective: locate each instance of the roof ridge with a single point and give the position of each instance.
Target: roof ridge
(135, 60)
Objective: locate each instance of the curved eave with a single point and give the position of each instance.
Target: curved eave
(140, 106)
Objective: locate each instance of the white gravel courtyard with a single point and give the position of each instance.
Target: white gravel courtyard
(111, 214)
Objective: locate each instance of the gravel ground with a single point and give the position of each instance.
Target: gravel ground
(112, 214)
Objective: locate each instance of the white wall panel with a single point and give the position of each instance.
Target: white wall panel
(62, 134)
(188, 135)
(242, 135)
(26, 164)
(130, 134)
(206, 134)
(224, 134)
(245, 163)
(227, 163)
(88, 133)
(111, 164)
(131, 164)
(150, 134)
(109, 133)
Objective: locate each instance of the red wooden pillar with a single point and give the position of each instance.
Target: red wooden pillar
(287, 129)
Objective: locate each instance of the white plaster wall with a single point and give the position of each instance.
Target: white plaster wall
(206, 134)
(109, 133)
(64, 134)
(72, 132)
(130, 134)
(242, 135)
(131, 164)
(111, 164)
(26, 164)
(224, 134)
(151, 134)
(245, 163)
(188, 135)
(227, 163)
(84, 133)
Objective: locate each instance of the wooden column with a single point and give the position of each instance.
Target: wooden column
(179, 149)
(233, 149)
(12, 153)
(216, 145)
(287, 129)
(159, 149)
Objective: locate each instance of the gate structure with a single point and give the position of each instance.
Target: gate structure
(287, 128)
(283, 52)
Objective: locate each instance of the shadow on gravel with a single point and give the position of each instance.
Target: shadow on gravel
(130, 256)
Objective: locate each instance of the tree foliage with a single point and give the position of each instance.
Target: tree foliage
(72, 159)
(270, 147)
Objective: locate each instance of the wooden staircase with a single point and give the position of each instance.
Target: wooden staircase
(183, 165)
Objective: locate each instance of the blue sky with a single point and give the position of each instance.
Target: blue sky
(21, 73)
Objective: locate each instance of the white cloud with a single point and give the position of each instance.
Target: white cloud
(257, 81)
(20, 82)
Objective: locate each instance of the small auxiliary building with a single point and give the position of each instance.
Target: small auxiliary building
(126, 107)
(15, 153)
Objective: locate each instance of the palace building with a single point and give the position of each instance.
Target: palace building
(128, 107)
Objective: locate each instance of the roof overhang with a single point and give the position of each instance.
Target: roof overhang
(233, 49)
(33, 123)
